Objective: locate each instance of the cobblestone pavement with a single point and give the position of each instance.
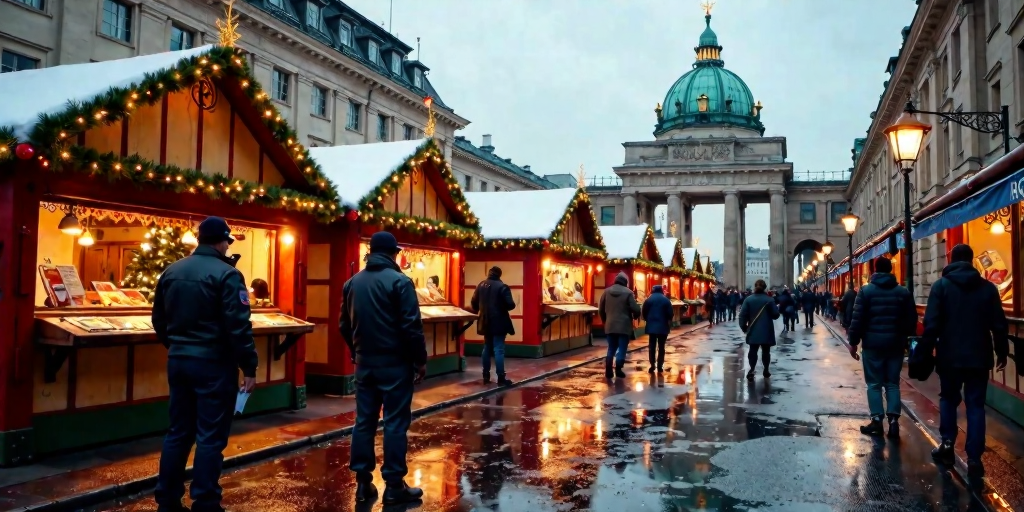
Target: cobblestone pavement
(697, 437)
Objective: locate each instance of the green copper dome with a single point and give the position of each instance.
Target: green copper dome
(708, 95)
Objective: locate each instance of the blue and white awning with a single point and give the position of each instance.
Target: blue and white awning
(998, 195)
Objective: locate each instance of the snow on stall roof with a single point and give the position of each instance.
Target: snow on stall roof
(689, 253)
(667, 249)
(28, 94)
(536, 212)
(623, 242)
(359, 168)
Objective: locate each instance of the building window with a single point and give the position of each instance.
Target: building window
(407, 132)
(313, 15)
(117, 20)
(993, 14)
(996, 97)
(352, 123)
(469, 183)
(838, 210)
(954, 51)
(417, 78)
(11, 62)
(281, 80)
(345, 33)
(382, 128)
(607, 215)
(396, 63)
(181, 39)
(373, 52)
(483, 186)
(277, 3)
(35, 4)
(319, 105)
(808, 215)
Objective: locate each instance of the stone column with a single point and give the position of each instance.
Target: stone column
(742, 278)
(730, 259)
(777, 251)
(674, 216)
(685, 225)
(629, 210)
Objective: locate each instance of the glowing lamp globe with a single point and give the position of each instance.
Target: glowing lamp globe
(850, 222)
(905, 137)
(828, 248)
(69, 225)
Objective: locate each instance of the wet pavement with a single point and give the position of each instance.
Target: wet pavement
(698, 437)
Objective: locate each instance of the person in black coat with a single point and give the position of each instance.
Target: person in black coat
(709, 306)
(808, 301)
(846, 305)
(492, 301)
(884, 317)
(965, 323)
(657, 312)
(787, 307)
(735, 299)
(757, 321)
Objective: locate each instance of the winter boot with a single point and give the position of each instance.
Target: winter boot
(975, 468)
(179, 508)
(894, 426)
(502, 381)
(487, 378)
(750, 375)
(651, 369)
(766, 373)
(874, 428)
(943, 453)
(619, 373)
(365, 490)
(401, 493)
(608, 368)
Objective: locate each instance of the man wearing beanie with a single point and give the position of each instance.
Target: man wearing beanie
(492, 301)
(884, 317)
(381, 324)
(618, 308)
(965, 324)
(201, 314)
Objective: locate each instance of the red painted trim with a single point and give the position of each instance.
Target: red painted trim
(130, 391)
(199, 140)
(260, 178)
(124, 137)
(163, 130)
(231, 143)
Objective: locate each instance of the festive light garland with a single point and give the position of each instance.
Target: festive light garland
(584, 198)
(54, 136)
(421, 225)
(7, 142)
(554, 241)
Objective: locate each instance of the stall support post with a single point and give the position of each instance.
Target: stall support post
(850, 261)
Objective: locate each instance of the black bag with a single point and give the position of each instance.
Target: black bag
(921, 361)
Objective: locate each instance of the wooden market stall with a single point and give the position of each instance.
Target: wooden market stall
(406, 188)
(671, 250)
(146, 148)
(631, 249)
(548, 253)
(694, 285)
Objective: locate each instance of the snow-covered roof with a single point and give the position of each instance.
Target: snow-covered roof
(705, 263)
(358, 169)
(536, 212)
(667, 249)
(30, 93)
(689, 254)
(623, 242)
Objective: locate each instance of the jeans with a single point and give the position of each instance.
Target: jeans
(974, 383)
(617, 345)
(390, 387)
(494, 345)
(656, 349)
(882, 370)
(766, 356)
(201, 406)
(809, 318)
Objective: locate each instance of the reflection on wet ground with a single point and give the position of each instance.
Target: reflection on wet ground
(698, 437)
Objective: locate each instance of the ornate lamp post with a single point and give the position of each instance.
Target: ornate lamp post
(984, 122)
(850, 222)
(905, 138)
(827, 251)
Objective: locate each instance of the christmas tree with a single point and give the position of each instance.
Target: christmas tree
(161, 248)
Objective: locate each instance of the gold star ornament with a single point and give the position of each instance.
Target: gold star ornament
(228, 27)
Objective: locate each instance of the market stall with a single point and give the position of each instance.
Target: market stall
(145, 148)
(548, 253)
(671, 250)
(406, 188)
(694, 285)
(631, 249)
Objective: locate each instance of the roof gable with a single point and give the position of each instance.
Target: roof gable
(631, 244)
(671, 252)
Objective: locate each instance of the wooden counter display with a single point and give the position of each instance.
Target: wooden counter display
(548, 245)
(631, 250)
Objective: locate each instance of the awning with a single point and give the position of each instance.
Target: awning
(1000, 194)
(445, 314)
(565, 309)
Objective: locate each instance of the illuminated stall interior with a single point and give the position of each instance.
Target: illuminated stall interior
(991, 238)
(632, 250)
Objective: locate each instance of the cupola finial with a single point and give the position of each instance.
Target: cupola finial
(707, 5)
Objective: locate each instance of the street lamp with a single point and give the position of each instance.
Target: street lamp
(905, 138)
(984, 122)
(827, 249)
(850, 222)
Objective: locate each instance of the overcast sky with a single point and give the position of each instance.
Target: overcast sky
(559, 83)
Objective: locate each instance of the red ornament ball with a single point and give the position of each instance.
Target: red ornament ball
(547, 243)
(24, 151)
(352, 215)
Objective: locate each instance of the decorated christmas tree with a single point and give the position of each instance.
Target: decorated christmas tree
(161, 247)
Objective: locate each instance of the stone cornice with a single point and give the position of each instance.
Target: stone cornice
(457, 151)
(715, 140)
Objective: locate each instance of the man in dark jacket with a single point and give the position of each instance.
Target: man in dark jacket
(735, 299)
(847, 303)
(618, 308)
(201, 314)
(965, 323)
(657, 312)
(381, 323)
(884, 316)
(787, 308)
(492, 300)
(809, 301)
(709, 306)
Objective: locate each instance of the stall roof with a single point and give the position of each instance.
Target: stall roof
(526, 214)
(359, 169)
(667, 250)
(31, 93)
(690, 258)
(624, 242)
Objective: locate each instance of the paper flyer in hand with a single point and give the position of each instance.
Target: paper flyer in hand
(240, 401)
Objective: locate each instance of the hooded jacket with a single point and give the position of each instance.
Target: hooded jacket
(884, 315)
(618, 307)
(757, 319)
(492, 301)
(657, 312)
(847, 302)
(964, 319)
(380, 316)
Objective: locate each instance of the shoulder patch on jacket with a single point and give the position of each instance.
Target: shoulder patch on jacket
(244, 297)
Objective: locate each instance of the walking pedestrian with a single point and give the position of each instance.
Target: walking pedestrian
(709, 306)
(809, 301)
(757, 321)
(735, 299)
(884, 316)
(618, 308)
(657, 312)
(721, 303)
(492, 301)
(381, 323)
(965, 323)
(787, 307)
(830, 310)
(201, 314)
(846, 304)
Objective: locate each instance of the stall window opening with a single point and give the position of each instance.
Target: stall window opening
(992, 242)
(427, 268)
(564, 283)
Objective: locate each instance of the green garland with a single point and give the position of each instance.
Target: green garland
(637, 262)
(7, 143)
(421, 225)
(581, 196)
(579, 250)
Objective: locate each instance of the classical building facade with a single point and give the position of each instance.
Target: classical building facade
(757, 266)
(480, 169)
(709, 148)
(957, 55)
(336, 76)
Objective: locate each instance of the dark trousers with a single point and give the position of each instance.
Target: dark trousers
(809, 318)
(617, 345)
(656, 349)
(390, 388)
(732, 313)
(766, 356)
(789, 320)
(882, 370)
(494, 346)
(974, 384)
(201, 406)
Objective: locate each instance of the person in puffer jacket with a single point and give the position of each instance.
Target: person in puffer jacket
(618, 308)
(884, 316)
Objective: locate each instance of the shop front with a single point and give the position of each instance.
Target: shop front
(146, 148)
(632, 251)
(408, 189)
(695, 284)
(671, 250)
(548, 253)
